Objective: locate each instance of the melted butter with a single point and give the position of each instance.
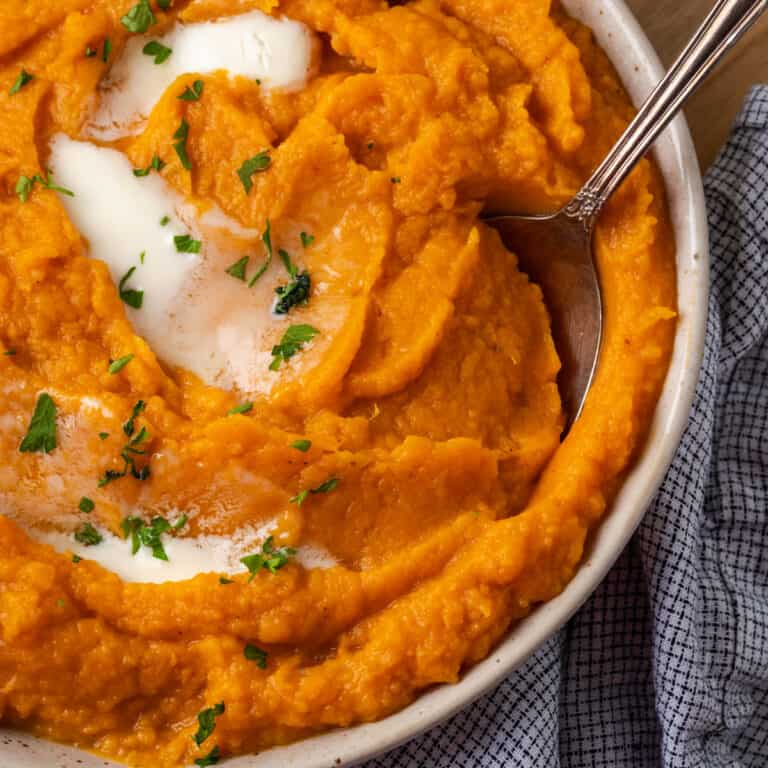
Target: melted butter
(194, 315)
(278, 52)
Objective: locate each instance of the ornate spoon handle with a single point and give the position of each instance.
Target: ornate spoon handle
(726, 23)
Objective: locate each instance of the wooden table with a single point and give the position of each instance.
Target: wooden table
(669, 24)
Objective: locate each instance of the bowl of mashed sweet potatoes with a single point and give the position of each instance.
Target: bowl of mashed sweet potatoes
(375, 442)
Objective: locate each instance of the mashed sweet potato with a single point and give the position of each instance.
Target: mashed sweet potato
(434, 406)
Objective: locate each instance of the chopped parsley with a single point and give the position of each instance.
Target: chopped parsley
(117, 365)
(212, 758)
(130, 450)
(23, 79)
(182, 134)
(206, 722)
(192, 92)
(269, 559)
(165, 221)
(395, 179)
(242, 408)
(150, 535)
(156, 165)
(25, 185)
(186, 244)
(76, 559)
(130, 296)
(237, 270)
(164, 4)
(140, 18)
(88, 535)
(161, 52)
(255, 164)
(9, 352)
(106, 50)
(293, 294)
(223, 580)
(41, 435)
(90, 52)
(86, 505)
(253, 653)
(307, 240)
(103, 435)
(292, 342)
(302, 445)
(266, 238)
(326, 487)
(141, 256)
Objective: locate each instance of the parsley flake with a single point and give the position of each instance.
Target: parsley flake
(307, 240)
(106, 50)
(23, 79)
(9, 352)
(266, 238)
(155, 48)
(156, 165)
(224, 581)
(256, 654)
(182, 134)
(269, 559)
(130, 450)
(302, 445)
(206, 721)
(255, 164)
(150, 535)
(192, 92)
(86, 505)
(326, 487)
(90, 52)
(293, 294)
(186, 244)
(292, 342)
(140, 18)
(25, 185)
(242, 408)
(118, 365)
(212, 758)
(130, 296)
(165, 221)
(76, 559)
(88, 535)
(103, 435)
(237, 270)
(41, 435)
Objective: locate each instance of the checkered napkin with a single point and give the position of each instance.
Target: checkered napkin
(667, 663)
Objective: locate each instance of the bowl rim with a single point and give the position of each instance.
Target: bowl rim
(621, 36)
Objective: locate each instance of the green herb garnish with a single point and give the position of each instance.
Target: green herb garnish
(118, 365)
(307, 240)
(130, 296)
(25, 185)
(103, 435)
(292, 342)
(206, 721)
(266, 238)
(254, 653)
(269, 559)
(193, 92)
(106, 50)
(165, 221)
(90, 52)
(130, 450)
(237, 270)
(88, 535)
(302, 445)
(9, 352)
(86, 505)
(182, 134)
(212, 758)
(185, 244)
(150, 535)
(156, 165)
(76, 559)
(326, 487)
(23, 79)
(242, 408)
(161, 52)
(41, 435)
(395, 179)
(293, 294)
(255, 164)
(224, 581)
(140, 18)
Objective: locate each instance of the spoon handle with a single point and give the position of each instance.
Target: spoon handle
(726, 23)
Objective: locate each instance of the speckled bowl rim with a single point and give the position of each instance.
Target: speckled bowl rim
(622, 38)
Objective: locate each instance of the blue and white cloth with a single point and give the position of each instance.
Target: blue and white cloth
(667, 663)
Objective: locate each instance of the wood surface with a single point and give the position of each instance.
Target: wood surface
(710, 112)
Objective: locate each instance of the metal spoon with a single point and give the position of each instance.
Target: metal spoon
(556, 250)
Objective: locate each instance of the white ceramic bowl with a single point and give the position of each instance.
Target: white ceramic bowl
(626, 44)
